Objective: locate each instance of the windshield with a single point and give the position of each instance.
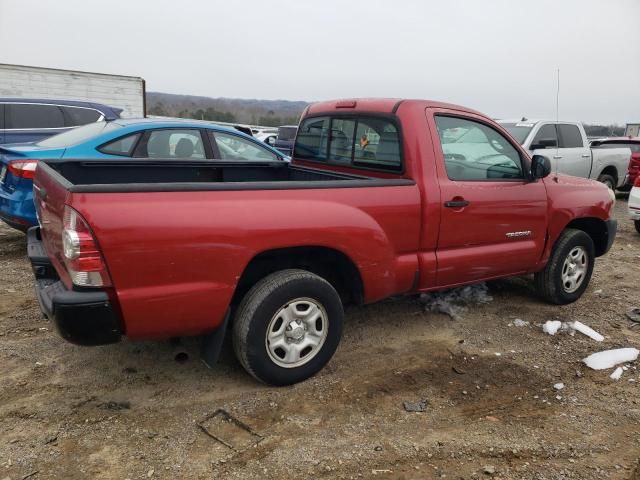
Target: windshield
(519, 131)
(78, 135)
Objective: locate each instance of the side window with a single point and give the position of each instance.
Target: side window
(175, 143)
(27, 115)
(312, 139)
(474, 151)
(570, 136)
(234, 147)
(546, 132)
(75, 116)
(122, 146)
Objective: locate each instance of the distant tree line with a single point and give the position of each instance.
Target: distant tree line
(255, 112)
(603, 130)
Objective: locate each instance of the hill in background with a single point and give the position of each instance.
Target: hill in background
(253, 112)
(266, 112)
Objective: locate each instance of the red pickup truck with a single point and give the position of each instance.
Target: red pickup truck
(382, 197)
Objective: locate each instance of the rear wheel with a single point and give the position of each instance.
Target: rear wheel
(637, 224)
(287, 327)
(608, 180)
(567, 274)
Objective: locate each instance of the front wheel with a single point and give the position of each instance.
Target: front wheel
(568, 271)
(608, 180)
(637, 224)
(287, 327)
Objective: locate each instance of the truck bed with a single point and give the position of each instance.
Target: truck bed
(84, 176)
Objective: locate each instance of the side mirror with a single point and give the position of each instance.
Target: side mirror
(544, 143)
(540, 166)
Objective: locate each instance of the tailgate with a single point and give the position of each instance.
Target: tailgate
(50, 196)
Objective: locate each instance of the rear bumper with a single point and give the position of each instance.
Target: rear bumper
(17, 208)
(15, 222)
(83, 317)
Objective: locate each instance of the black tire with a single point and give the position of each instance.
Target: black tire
(637, 224)
(258, 308)
(608, 180)
(549, 282)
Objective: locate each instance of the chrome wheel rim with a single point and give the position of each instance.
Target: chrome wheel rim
(574, 269)
(297, 332)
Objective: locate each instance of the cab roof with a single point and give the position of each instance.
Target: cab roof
(381, 105)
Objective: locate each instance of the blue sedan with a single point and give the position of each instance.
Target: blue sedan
(131, 138)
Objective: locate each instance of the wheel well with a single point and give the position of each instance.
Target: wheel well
(596, 229)
(610, 170)
(332, 265)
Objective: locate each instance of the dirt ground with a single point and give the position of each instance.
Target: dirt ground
(132, 411)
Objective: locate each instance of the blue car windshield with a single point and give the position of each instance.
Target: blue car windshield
(78, 135)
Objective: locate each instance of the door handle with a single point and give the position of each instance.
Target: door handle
(586, 155)
(557, 157)
(456, 203)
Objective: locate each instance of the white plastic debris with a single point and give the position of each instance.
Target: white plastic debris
(518, 322)
(558, 386)
(551, 326)
(588, 331)
(611, 358)
(452, 302)
(617, 373)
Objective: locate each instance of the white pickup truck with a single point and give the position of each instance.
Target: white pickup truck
(566, 145)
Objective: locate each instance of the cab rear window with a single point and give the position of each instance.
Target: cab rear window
(357, 141)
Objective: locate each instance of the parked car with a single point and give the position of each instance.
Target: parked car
(633, 144)
(30, 120)
(267, 137)
(567, 146)
(119, 139)
(634, 203)
(273, 250)
(284, 140)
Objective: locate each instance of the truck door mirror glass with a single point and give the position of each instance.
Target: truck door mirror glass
(544, 143)
(540, 166)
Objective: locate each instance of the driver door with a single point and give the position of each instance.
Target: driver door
(493, 218)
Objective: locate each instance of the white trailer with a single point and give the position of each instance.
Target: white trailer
(632, 130)
(125, 92)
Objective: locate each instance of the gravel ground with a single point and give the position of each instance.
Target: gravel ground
(490, 411)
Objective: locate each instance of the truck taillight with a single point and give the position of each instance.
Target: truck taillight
(81, 254)
(22, 168)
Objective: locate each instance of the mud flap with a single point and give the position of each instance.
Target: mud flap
(212, 343)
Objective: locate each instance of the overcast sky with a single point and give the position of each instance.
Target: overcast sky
(498, 56)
